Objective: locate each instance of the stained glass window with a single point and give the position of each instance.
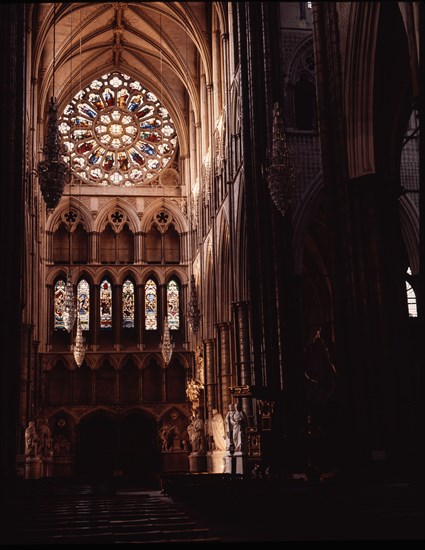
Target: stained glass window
(59, 301)
(105, 305)
(151, 305)
(173, 305)
(128, 304)
(83, 302)
(117, 133)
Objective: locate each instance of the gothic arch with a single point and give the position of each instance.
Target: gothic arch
(95, 410)
(221, 15)
(77, 273)
(62, 411)
(179, 221)
(137, 408)
(154, 273)
(50, 361)
(183, 360)
(111, 358)
(129, 272)
(295, 66)
(155, 355)
(108, 274)
(177, 272)
(66, 204)
(90, 361)
(119, 204)
(130, 356)
(301, 86)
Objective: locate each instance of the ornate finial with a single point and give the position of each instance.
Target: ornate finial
(280, 171)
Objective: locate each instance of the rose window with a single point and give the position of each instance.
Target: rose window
(117, 133)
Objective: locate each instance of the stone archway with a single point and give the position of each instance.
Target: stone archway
(96, 446)
(118, 446)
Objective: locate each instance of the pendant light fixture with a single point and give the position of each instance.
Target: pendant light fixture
(79, 348)
(53, 171)
(166, 345)
(280, 171)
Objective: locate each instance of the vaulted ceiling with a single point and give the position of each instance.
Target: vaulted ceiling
(164, 45)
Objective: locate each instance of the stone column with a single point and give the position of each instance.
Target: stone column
(93, 248)
(140, 319)
(210, 378)
(117, 315)
(225, 365)
(243, 375)
(138, 242)
(95, 316)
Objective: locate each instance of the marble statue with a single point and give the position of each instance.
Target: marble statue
(218, 432)
(195, 431)
(236, 424)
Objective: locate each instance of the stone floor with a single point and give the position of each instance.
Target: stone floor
(207, 508)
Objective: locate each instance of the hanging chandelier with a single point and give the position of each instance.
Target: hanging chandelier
(69, 307)
(166, 344)
(280, 171)
(193, 314)
(79, 347)
(53, 172)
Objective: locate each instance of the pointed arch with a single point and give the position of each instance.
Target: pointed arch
(67, 204)
(177, 218)
(109, 207)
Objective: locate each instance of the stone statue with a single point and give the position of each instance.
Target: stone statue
(236, 424)
(193, 389)
(166, 434)
(218, 432)
(195, 431)
(31, 441)
(240, 425)
(199, 359)
(46, 441)
(228, 423)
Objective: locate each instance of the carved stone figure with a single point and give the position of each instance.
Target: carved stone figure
(228, 423)
(193, 389)
(218, 432)
(31, 441)
(236, 424)
(166, 434)
(195, 431)
(46, 441)
(199, 359)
